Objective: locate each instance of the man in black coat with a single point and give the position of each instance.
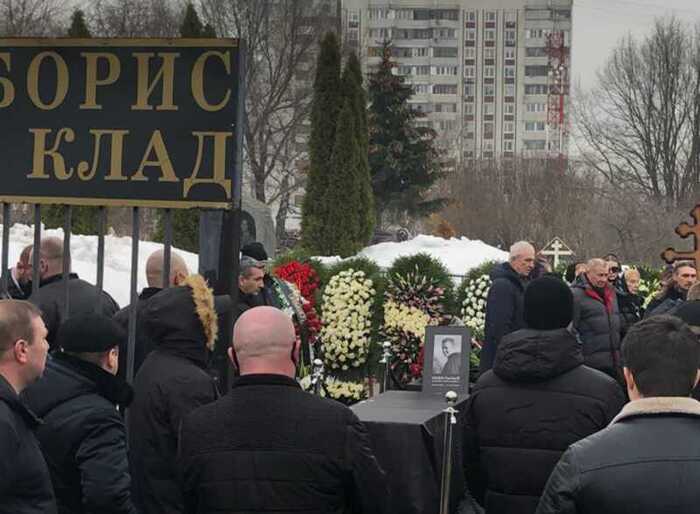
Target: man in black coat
(676, 291)
(648, 460)
(537, 400)
(251, 275)
(25, 483)
(268, 446)
(266, 295)
(504, 304)
(83, 437)
(154, 278)
(50, 298)
(19, 278)
(182, 321)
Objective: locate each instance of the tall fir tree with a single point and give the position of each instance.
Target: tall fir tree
(185, 222)
(403, 159)
(325, 108)
(355, 92)
(83, 219)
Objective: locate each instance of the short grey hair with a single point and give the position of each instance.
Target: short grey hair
(246, 264)
(519, 248)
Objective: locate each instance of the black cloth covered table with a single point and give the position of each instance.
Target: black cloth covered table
(407, 433)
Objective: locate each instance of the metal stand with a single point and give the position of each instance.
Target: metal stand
(386, 360)
(450, 422)
(317, 377)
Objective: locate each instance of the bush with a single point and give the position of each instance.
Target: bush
(471, 276)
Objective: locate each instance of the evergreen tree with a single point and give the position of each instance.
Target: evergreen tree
(324, 118)
(185, 222)
(83, 219)
(403, 159)
(355, 92)
(78, 27)
(342, 222)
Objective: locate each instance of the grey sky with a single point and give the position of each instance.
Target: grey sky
(599, 25)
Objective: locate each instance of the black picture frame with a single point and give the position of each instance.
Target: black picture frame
(448, 368)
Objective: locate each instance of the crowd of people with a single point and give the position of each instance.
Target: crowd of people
(583, 395)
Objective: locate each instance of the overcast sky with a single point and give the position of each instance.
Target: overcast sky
(599, 24)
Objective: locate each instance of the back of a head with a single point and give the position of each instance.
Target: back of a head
(154, 269)
(255, 250)
(689, 312)
(548, 304)
(663, 355)
(90, 333)
(263, 334)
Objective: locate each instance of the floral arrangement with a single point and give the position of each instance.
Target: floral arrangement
(347, 320)
(648, 289)
(473, 310)
(413, 302)
(306, 283)
(345, 392)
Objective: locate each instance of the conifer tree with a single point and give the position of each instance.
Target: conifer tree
(324, 118)
(78, 27)
(403, 160)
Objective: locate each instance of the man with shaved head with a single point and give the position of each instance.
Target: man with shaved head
(268, 446)
(154, 278)
(504, 305)
(19, 285)
(597, 318)
(50, 298)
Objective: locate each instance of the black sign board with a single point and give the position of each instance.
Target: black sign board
(446, 360)
(125, 122)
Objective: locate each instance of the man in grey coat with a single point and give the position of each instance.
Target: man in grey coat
(597, 318)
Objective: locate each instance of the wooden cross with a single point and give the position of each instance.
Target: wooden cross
(558, 249)
(684, 230)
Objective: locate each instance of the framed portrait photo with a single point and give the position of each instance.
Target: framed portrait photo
(446, 360)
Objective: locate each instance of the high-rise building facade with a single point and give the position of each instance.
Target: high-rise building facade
(491, 76)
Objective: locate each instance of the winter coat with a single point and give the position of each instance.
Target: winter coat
(631, 308)
(171, 383)
(269, 447)
(504, 311)
(83, 436)
(522, 415)
(144, 344)
(84, 298)
(15, 290)
(597, 321)
(646, 462)
(25, 483)
(666, 303)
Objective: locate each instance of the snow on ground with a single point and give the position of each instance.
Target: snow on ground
(459, 255)
(117, 274)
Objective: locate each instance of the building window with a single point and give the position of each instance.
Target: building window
(535, 107)
(509, 109)
(377, 14)
(445, 89)
(421, 70)
(489, 53)
(490, 16)
(536, 71)
(404, 14)
(509, 127)
(470, 53)
(534, 145)
(421, 89)
(488, 145)
(508, 146)
(421, 52)
(469, 72)
(510, 90)
(535, 89)
(536, 33)
(445, 51)
(489, 109)
(509, 72)
(469, 89)
(535, 51)
(509, 53)
(490, 72)
(445, 107)
(490, 35)
(471, 16)
(405, 70)
(489, 90)
(469, 108)
(445, 33)
(534, 126)
(444, 70)
(471, 34)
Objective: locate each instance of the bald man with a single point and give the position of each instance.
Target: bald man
(597, 318)
(19, 286)
(50, 298)
(154, 278)
(271, 446)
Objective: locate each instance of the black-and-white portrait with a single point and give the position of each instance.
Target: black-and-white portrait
(447, 356)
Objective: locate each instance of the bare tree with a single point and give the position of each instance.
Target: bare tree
(282, 38)
(134, 18)
(31, 17)
(639, 126)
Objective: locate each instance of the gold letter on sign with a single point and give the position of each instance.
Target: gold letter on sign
(116, 156)
(40, 153)
(8, 89)
(145, 87)
(91, 80)
(198, 81)
(162, 160)
(219, 175)
(62, 81)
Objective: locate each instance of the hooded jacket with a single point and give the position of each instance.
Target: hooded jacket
(646, 462)
(25, 483)
(172, 381)
(666, 303)
(597, 321)
(83, 437)
(631, 307)
(522, 415)
(504, 311)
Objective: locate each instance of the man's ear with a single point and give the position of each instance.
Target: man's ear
(631, 384)
(20, 350)
(697, 378)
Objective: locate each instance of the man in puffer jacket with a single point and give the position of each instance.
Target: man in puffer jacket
(597, 318)
(537, 400)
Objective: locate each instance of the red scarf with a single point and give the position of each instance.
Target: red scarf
(607, 301)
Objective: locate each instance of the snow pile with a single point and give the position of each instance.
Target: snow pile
(459, 255)
(117, 274)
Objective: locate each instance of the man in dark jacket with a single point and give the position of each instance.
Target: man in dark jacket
(648, 460)
(597, 318)
(250, 283)
(50, 298)
(154, 278)
(676, 291)
(83, 437)
(504, 304)
(19, 278)
(537, 400)
(25, 483)
(182, 321)
(266, 295)
(630, 303)
(269, 447)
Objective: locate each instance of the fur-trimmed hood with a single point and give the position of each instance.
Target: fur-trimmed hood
(656, 406)
(185, 315)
